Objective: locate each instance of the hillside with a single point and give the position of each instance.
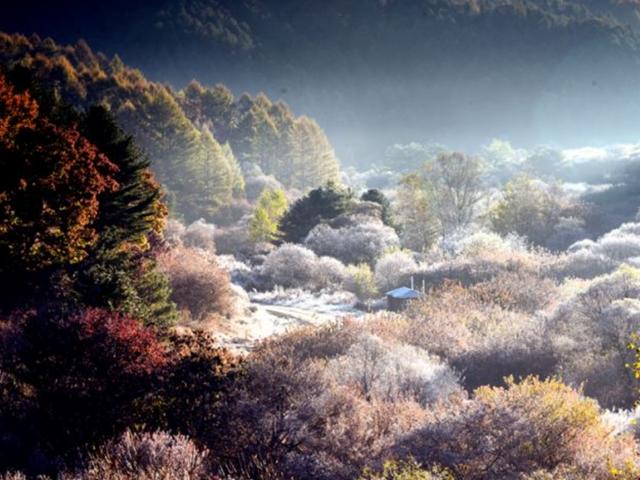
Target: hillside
(196, 139)
(377, 73)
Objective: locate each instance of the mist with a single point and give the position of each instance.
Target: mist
(320, 240)
(378, 73)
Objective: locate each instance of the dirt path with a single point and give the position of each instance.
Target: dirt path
(267, 320)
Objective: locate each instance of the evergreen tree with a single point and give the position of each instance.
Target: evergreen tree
(121, 272)
(376, 196)
(321, 204)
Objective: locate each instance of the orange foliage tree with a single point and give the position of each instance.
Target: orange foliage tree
(49, 188)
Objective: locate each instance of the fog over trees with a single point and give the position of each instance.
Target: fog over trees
(367, 240)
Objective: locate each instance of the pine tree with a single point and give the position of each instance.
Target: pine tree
(376, 196)
(321, 204)
(121, 272)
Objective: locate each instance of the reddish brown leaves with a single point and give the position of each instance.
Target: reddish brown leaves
(52, 178)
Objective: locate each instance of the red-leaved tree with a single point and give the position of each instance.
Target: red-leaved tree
(84, 377)
(49, 188)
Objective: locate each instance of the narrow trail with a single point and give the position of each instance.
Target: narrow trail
(267, 320)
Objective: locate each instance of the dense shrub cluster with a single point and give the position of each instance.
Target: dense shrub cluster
(76, 380)
(295, 266)
(484, 341)
(200, 234)
(298, 410)
(528, 430)
(147, 456)
(591, 332)
(199, 286)
(353, 244)
(393, 269)
(588, 258)
(539, 212)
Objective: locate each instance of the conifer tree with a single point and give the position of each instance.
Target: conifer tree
(121, 272)
(271, 205)
(321, 204)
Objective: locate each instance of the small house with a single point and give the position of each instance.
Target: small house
(399, 298)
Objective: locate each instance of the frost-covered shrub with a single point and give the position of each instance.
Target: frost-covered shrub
(584, 263)
(233, 240)
(483, 256)
(255, 185)
(590, 333)
(293, 411)
(480, 242)
(200, 234)
(147, 456)
(329, 271)
(291, 265)
(255, 180)
(352, 244)
(483, 341)
(566, 232)
(199, 286)
(392, 372)
(518, 291)
(623, 421)
(16, 476)
(173, 232)
(290, 388)
(533, 426)
(360, 281)
(407, 470)
(619, 246)
(392, 269)
(588, 259)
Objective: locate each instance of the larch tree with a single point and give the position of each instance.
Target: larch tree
(271, 206)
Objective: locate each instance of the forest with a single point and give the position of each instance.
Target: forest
(199, 283)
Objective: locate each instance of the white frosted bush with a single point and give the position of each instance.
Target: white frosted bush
(631, 228)
(391, 269)
(585, 244)
(329, 271)
(590, 334)
(352, 244)
(293, 266)
(391, 372)
(173, 232)
(584, 263)
(489, 241)
(290, 266)
(588, 259)
(200, 234)
(147, 456)
(623, 421)
(619, 246)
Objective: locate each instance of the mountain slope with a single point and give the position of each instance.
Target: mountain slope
(377, 72)
(194, 140)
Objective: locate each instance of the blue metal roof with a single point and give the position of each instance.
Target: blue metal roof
(404, 293)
